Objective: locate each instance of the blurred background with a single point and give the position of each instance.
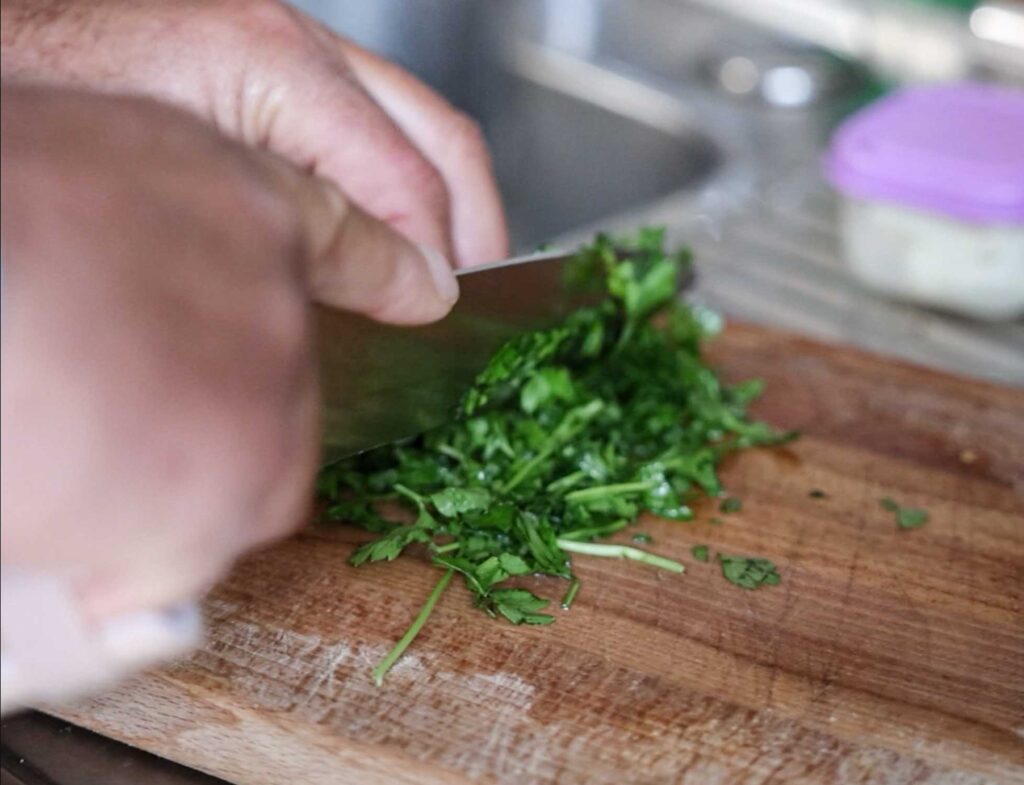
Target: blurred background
(712, 117)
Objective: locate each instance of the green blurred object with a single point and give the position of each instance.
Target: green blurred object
(869, 87)
(963, 5)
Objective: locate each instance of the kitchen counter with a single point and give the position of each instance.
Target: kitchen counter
(749, 198)
(771, 257)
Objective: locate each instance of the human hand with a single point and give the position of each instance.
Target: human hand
(266, 74)
(158, 392)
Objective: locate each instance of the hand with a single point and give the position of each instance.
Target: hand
(158, 396)
(270, 76)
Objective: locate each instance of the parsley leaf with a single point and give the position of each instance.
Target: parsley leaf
(730, 505)
(390, 545)
(906, 517)
(911, 518)
(700, 552)
(748, 572)
(452, 502)
(519, 606)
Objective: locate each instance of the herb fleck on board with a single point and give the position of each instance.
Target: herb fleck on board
(906, 517)
(748, 572)
(730, 505)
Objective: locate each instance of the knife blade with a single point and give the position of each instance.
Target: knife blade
(381, 383)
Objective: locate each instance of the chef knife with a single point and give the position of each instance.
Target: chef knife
(381, 383)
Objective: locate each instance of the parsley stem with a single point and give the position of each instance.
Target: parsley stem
(409, 494)
(596, 531)
(603, 491)
(620, 552)
(567, 429)
(567, 481)
(570, 594)
(528, 468)
(451, 452)
(414, 629)
(450, 546)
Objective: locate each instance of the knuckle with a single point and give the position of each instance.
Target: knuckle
(260, 21)
(466, 138)
(422, 178)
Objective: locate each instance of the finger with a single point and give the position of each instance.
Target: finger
(327, 123)
(358, 263)
(452, 142)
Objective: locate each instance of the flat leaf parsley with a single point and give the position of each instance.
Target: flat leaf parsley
(566, 437)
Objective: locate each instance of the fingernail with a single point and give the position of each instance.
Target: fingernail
(441, 272)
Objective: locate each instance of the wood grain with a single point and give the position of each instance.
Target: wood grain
(883, 656)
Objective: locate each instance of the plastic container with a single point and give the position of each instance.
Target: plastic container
(932, 186)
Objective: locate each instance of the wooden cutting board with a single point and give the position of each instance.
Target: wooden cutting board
(883, 656)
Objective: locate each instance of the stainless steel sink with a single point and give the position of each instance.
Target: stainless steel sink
(563, 161)
(572, 143)
(614, 113)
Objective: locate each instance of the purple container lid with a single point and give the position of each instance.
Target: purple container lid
(955, 149)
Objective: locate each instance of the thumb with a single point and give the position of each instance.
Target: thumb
(358, 263)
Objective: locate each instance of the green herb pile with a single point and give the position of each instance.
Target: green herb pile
(566, 437)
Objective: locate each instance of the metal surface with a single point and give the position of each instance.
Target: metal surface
(902, 39)
(784, 77)
(569, 147)
(776, 261)
(382, 383)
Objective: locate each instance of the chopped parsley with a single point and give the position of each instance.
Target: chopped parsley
(748, 572)
(700, 552)
(817, 493)
(906, 517)
(566, 437)
(642, 538)
(730, 505)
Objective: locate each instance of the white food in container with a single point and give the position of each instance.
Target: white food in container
(931, 181)
(973, 269)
